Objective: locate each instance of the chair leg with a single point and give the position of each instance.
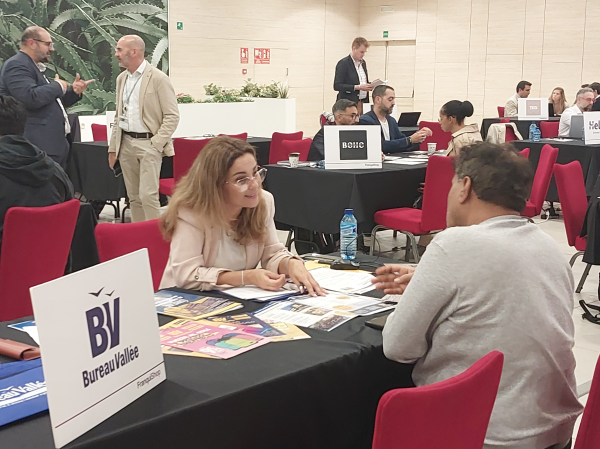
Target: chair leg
(414, 246)
(407, 249)
(373, 238)
(583, 278)
(574, 257)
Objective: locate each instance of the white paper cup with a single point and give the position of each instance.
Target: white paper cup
(431, 148)
(294, 158)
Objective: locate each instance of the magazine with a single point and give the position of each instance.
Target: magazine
(192, 307)
(304, 315)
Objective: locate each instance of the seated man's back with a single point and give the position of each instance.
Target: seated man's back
(501, 284)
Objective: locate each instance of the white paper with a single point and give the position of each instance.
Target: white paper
(407, 161)
(304, 315)
(258, 294)
(33, 333)
(343, 281)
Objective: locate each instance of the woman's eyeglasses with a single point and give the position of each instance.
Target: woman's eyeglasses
(244, 183)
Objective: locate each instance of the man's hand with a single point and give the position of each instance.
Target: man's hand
(366, 87)
(79, 85)
(393, 279)
(420, 135)
(63, 83)
(112, 159)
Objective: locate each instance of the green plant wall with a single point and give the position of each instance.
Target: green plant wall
(85, 34)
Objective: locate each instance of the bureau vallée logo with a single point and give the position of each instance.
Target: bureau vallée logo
(104, 330)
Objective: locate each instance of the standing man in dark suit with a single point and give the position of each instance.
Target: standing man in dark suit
(22, 77)
(351, 75)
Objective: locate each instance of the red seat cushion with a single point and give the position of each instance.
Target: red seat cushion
(166, 186)
(580, 243)
(529, 210)
(404, 218)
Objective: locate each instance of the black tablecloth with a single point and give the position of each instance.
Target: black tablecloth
(316, 393)
(84, 251)
(522, 125)
(568, 151)
(315, 199)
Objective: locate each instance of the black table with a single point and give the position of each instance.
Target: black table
(522, 125)
(316, 393)
(315, 199)
(568, 151)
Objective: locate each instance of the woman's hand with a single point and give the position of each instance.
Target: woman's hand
(264, 279)
(301, 277)
(393, 279)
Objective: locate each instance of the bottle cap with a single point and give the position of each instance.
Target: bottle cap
(349, 211)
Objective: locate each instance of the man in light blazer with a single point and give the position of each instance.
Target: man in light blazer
(351, 75)
(146, 117)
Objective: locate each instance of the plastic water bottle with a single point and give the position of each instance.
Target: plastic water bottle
(531, 130)
(537, 134)
(348, 235)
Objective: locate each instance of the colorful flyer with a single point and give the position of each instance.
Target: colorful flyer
(192, 307)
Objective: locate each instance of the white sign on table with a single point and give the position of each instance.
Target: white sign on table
(591, 126)
(533, 109)
(352, 147)
(100, 342)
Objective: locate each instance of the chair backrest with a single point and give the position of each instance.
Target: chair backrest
(99, 133)
(510, 135)
(242, 136)
(438, 180)
(500, 111)
(588, 435)
(297, 146)
(572, 197)
(322, 119)
(549, 129)
(35, 249)
(186, 152)
(543, 175)
(525, 152)
(452, 414)
(276, 152)
(116, 240)
(442, 138)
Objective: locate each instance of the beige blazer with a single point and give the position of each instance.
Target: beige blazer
(195, 244)
(463, 137)
(158, 109)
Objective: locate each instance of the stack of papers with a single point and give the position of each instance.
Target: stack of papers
(407, 161)
(193, 307)
(354, 304)
(356, 282)
(304, 315)
(259, 295)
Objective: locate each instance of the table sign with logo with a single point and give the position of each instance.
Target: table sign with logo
(591, 126)
(533, 109)
(352, 147)
(100, 342)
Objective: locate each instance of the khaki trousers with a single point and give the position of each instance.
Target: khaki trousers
(140, 163)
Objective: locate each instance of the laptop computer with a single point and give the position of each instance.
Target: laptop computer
(408, 119)
(576, 131)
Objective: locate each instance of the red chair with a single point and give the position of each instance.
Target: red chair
(439, 136)
(242, 136)
(510, 135)
(99, 133)
(432, 217)
(541, 182)
(186, 152)
(588, 435)
(525, 152)
(452, 414)
(573, 201)
(504, 120)
(323, 119)
(116, 240)
(500, 111)
(296, 146)
(549, 129)
(276, 152)
(35, 249)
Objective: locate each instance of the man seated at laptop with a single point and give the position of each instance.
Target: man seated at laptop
(511, 108)
(28, 177)
(344, 112)
(392, 139)
(482, 286)
(584, 103)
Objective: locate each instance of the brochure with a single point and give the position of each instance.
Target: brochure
(343, 281)
(219, 341)
(290, 332)
(304, 315)
(246, 322)
(168, 350)
(358, 305)
(192, 307)
(22, 390)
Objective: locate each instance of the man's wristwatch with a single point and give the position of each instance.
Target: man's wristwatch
(409, 140)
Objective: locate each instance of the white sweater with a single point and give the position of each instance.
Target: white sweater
(500, 285)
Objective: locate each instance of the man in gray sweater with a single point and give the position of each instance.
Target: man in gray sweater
(492, 281)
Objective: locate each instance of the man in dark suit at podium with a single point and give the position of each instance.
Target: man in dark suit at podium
(22, 77)
(351, 75)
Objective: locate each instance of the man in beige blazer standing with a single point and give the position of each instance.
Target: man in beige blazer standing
(146, 118)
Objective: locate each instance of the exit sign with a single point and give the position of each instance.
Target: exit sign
(385, 34)
(180, 26)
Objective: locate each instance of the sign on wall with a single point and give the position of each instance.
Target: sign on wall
(262, 56)
(591, 126)
(244, 55)
(100, 342)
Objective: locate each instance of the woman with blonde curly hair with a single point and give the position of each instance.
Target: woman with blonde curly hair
(220, 224)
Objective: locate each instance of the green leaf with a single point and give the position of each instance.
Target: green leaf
(100, 30)
(140, 27)
(65, 16)
(127, 8)
(159, 50)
